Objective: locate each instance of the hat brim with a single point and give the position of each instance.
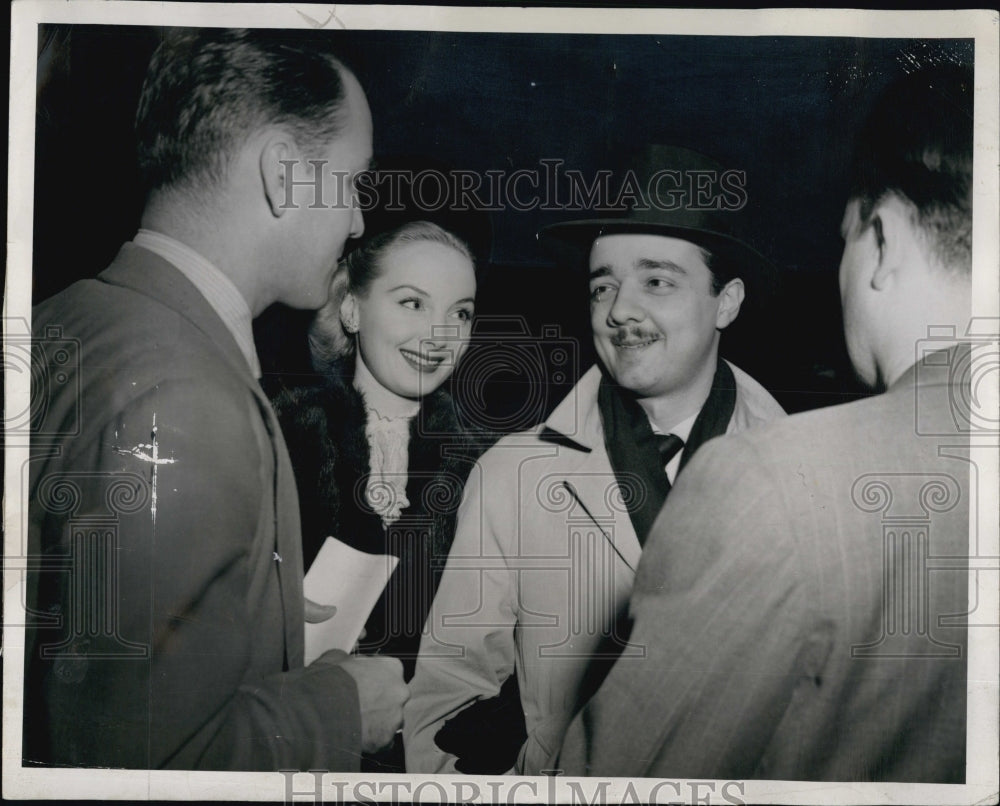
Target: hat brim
(570, 241)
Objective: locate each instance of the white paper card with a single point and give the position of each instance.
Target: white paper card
(350, 579)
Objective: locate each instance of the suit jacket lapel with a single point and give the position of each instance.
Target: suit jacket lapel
(147, 273)
(288, 538)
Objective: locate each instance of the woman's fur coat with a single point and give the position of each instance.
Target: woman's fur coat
(323, 422)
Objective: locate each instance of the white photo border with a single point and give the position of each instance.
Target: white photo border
(984, 665)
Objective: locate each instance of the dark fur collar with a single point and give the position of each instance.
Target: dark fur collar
(324, 425)
(436, 418)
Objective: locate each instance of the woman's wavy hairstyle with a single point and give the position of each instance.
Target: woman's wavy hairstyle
(329, 341)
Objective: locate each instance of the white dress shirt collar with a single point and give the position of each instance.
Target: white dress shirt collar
(220, 292)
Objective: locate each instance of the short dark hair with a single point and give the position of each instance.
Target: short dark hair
(721, 269)
(206, 90)
(917, 145)
(328, 341)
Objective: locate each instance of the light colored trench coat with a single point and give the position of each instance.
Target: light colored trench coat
(542, 565)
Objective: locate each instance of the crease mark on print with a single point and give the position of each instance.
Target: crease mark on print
(317, 24)
(148, 452)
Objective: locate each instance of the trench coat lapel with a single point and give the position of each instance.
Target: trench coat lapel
(575, 426)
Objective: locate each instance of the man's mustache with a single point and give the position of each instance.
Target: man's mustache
(633, 335)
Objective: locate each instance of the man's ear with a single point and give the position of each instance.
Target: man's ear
(276, 163)
(730, 300)
(893, 227)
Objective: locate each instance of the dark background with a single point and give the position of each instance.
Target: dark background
(784, 109)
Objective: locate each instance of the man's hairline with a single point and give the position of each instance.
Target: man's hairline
(201, 185)
(925, 234)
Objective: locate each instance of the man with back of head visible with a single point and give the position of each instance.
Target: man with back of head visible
(166, 614)
(553, 520)
(791, 626)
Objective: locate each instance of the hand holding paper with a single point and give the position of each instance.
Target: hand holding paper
(351, 581)
(317, 613)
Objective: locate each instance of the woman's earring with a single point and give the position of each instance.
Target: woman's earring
(349, 313)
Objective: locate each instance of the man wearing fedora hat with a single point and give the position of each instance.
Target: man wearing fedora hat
(553, 520)
(792, 626)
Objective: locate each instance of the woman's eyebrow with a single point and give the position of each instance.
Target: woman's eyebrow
(411, 288)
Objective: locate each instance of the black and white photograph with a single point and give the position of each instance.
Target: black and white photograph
(498, 405)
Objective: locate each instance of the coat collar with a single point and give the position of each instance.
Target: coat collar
(576, 424)
(935, 367)
(437, 409)
(149, 274)
(576, 421)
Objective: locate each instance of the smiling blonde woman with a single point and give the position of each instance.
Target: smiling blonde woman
(379, 454)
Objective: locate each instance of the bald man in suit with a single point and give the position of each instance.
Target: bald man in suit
(167, 613)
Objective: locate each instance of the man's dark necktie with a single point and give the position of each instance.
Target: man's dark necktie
(669, 445)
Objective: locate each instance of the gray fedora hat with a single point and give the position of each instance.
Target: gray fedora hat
(679, 193)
